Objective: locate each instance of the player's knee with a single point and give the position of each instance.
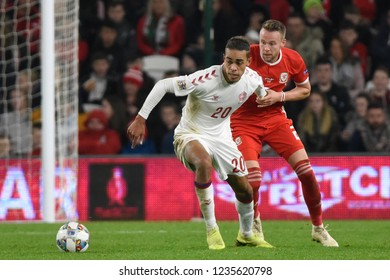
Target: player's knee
(302, 166)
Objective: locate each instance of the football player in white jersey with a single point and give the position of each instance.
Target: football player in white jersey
(203, 139)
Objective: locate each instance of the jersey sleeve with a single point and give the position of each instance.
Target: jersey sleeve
(301, 73)
(184, 85)
(195, 82)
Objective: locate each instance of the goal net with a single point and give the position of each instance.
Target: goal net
(21, 110)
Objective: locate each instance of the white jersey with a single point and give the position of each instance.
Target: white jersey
(211, 100)
(206, 116)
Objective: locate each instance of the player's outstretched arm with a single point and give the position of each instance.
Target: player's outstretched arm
(136, 130)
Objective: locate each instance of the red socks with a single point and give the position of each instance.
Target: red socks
(311, 191)
(254, 178)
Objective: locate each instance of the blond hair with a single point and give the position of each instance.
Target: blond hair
(272, 25)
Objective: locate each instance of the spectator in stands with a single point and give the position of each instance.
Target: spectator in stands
(370, 84)
(98, 138)
(346, 70)
(354, 119)
(258, 15)
(353, 47)
(227, 22)
(380, 46)
(318, 126)
(362, 27)
(107, 43)
(317, 21)
(194, 55)
(132, 82)
(373, 135)
(301, 39)
(97, 84)
(336, 94)
(5, 146)
(148, 82)
(160, 30)
(190, 11)
(278, 10)
(192, 60)
(115, 109)
(170, 115)
(116, 12)
(90, 16)
(379, 92)
(367, 9)
(17, 123)
(135, 9)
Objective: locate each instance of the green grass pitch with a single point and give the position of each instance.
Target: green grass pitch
(358, 240)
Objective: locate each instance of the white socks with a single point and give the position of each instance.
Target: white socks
(245, 215)
(206, 202)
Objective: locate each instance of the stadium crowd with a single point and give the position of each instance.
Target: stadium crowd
(345, 45)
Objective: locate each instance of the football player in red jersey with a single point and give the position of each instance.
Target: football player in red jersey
(277, 65)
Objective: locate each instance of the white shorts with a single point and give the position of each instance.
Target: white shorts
(226, 158)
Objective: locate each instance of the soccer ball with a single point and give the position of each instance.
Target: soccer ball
(73, 237)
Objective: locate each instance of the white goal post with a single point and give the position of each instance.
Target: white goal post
(59, 57)
(48, 104)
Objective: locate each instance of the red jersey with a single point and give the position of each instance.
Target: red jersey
(289, 66)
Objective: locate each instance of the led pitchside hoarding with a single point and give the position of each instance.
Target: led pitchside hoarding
(351, 188)
(162, 189)
(21, 194)
(116, 191)
(167, 187)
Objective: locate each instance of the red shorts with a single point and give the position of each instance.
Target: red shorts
(279, 134)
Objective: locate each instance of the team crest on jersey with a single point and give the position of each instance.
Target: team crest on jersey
(238, 141)
(242, 97)
(283, 77)
(215, 97)
(181, 84)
